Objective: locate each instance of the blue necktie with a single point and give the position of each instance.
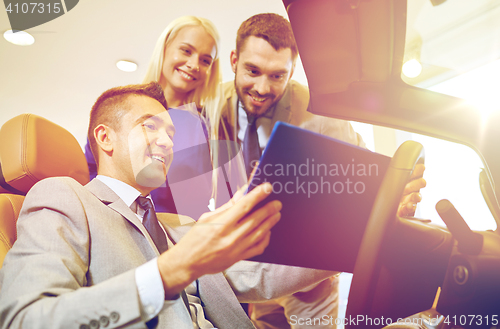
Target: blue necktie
(251, 147)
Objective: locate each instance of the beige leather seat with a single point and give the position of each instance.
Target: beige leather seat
(31, 149)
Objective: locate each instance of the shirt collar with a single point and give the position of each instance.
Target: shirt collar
(127, 193)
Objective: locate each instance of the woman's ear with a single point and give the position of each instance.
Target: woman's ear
(104, 137)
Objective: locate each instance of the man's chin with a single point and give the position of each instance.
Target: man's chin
(256, 110)
(152, 176)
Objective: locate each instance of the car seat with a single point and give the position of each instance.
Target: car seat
(31, 149)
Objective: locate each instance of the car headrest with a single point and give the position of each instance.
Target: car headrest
(33, 148)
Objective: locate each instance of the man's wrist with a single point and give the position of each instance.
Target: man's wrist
(175, 275)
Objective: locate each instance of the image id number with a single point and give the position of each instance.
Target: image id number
(33, 7)
(478, 320)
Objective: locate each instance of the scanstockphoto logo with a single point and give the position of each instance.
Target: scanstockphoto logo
(310, 177)
(26, 14)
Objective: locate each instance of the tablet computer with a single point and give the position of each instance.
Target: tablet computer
(327, 188)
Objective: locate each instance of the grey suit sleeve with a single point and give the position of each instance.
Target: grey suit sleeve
(254, 281)
(335, 128)
(341, 129)
(44, 281)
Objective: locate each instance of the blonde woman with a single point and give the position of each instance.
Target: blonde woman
(185, 62)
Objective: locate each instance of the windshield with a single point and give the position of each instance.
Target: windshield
(452, 47)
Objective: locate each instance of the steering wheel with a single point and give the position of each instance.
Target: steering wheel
(382, 217)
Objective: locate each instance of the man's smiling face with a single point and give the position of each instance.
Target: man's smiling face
(261, 74)
(143, 149)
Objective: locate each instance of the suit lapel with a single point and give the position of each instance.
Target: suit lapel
(113, 201)
(232, 103)
(283, 110)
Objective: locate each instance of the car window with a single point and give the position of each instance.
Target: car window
(451, 48)
(452, 172)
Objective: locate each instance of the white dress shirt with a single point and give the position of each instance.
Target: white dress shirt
(147, 276)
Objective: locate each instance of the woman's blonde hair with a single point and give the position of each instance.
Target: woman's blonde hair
(207, 97)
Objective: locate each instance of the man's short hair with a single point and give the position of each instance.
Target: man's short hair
(273, 28)
(110, 107)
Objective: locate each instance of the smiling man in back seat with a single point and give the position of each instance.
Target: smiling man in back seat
(95, 255)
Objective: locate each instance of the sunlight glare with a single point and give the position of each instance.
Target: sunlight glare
(480, 87)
